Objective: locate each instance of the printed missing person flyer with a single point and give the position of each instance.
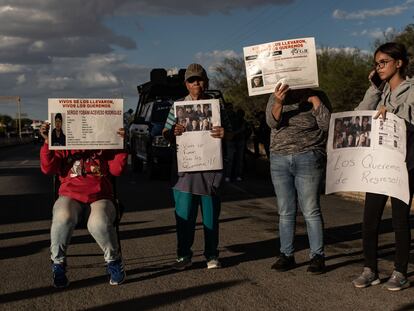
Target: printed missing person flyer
(85, 123)
(197, 150)
(367, 154)
(291, 62)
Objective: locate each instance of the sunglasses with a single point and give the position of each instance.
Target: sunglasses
(194, 79)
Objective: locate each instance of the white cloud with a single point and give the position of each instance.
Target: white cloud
(11, 42)
(210, 60)
(51, 48)
(375, 33)
(21, 79)
(347, 50)
(364, 14)
(10, 68)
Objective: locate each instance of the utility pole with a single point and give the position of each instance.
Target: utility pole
(19, 117)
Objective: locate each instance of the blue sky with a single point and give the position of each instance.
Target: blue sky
(104, 48)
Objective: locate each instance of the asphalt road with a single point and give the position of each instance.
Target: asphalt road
(248, 247)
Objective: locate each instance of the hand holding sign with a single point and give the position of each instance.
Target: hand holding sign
(382, 112)
(44, 132)
(217, 132)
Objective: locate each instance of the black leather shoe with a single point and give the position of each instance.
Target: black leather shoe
(284, 263)
(317, 265)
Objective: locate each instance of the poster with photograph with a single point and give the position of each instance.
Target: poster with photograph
(196, 149)
(85, 123)
(291, 62)
(367, 154)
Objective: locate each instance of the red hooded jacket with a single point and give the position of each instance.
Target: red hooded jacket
(84, 174)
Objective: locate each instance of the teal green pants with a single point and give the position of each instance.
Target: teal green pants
(186, 210)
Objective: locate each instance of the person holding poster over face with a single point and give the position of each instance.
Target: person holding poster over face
(196, 188)
(85, 189)
(390, 91)
(299, 121)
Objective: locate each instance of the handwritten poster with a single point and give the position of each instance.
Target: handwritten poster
(367, 154)
(291, 62)
(85, 123)
(196, 149)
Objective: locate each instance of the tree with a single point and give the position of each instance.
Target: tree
(343, 76)
(230, 78)
(5, 119)
(405, 37)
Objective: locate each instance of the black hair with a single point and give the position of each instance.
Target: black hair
(397, 51)
(58, 116)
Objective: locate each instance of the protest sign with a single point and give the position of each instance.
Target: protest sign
(85, 123)
(291, 62)
(367, 154)
(196, 149)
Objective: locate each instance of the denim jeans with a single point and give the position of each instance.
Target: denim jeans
(186, 210)
(296, 179)
(66, 213)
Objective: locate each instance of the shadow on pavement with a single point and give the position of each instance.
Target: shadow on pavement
(334, 235)
(36, 246)
(22, 234)
(25, 208)
(166, 298)
(49, 290)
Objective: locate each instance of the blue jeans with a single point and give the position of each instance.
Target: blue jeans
(296, 179)
(66, 213)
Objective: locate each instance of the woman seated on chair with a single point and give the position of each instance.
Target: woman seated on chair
(85, 187)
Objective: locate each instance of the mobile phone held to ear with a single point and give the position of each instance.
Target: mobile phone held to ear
(376, 80)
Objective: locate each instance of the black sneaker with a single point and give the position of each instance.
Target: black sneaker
(116, 272)
(59, 275)
(182, 263)
(284, 263)
(317, 265)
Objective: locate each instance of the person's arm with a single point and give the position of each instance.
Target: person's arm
(371, 98)
(118, 163)
(171, 128)
(320, 112)
(50, 161)
(274, 108)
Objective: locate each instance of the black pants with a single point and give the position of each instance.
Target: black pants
(374, 207)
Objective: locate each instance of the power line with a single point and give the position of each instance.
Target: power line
(261, 23)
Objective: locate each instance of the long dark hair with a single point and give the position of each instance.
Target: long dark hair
(397, 51)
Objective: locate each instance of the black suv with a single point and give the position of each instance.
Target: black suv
(146, 144)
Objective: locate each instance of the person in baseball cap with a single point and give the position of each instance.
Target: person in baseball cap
(195, 71)
(198, 188)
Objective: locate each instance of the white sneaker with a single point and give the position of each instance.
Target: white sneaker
(213, 263)
(239, 179)
(227, 179)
